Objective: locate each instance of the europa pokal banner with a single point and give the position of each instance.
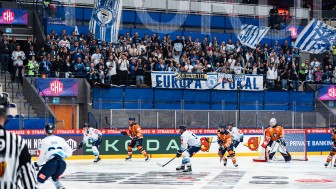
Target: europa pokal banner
(217, 81)
(105, 20)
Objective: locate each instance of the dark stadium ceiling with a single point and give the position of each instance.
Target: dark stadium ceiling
(326, 4)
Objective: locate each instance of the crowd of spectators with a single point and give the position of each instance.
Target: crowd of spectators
(131, 60)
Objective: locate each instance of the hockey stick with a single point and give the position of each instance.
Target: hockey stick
(162, 165)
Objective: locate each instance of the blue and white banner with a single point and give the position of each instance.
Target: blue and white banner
(215, 81)
(105, 20)
(251, 35)
(316, 38)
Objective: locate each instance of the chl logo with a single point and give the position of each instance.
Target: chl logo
(8, 16)
(332, 92)
(253, 143)
(56, 87)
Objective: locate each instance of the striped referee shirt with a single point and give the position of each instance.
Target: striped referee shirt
(16, 169)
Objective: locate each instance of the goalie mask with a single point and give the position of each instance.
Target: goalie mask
(49, 129)
(273, 122)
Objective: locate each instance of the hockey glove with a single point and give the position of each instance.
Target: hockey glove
(80, 145)
(100, 137)
(135, 138)
(264, 144)
(178, 153)
(241, 138)
(123, 132)
(219, 141)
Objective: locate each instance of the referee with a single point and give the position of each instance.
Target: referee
(16, 169)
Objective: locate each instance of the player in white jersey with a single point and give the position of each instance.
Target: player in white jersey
(236, 134)
(190, 145)
(93, 136)
(52, 151)
(16, 169)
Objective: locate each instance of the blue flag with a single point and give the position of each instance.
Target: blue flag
(316, 38)
(105, 20)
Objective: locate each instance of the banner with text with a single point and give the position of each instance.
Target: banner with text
(217, 81)
(167, 141)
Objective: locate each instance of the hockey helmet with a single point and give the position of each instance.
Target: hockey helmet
(131, 119)
(230, 123)
(273, 122)
(222, 128)
(86, 125)
(4, 104)
(182, 128)
(49, 128)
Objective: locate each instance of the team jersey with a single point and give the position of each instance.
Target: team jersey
(226, 138)
(16, 169)
(189, 139)
(135, 130)
(334, 139)
(92, 135)
(52, 146)
(274, 133)
(235, 133)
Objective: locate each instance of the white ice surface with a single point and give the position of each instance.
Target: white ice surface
(123, 175)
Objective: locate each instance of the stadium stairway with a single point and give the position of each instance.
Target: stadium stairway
(14, 93)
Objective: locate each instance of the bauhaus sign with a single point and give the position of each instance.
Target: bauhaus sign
(57, 87)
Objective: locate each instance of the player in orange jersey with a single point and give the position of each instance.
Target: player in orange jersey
(135, 133)
(226, 142)
(333, 149)
(274, 138)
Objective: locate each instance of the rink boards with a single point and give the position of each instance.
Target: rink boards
(165, 142)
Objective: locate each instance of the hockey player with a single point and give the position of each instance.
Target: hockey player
(274, 138)
(135, 133)
(95, 137)
(226, 143)
(16, 169)
(333, 149)
(237, 136)
(190, 145)
(52, 151)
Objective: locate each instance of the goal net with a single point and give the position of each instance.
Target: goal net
(296, 145)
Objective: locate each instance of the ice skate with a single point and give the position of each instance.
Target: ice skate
(129, 158)
(236, 165)
(224, 162)
(97, 159)
(147, 158)
(188, 169)
(58, 185)
(326, 164)
(180, 168)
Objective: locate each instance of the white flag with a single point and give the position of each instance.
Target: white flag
(316, 38)
(251, 35)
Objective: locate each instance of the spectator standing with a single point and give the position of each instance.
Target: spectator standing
(123, 65)
(18, 56)
(4, 51)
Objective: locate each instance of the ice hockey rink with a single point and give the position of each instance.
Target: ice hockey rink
(208, 173)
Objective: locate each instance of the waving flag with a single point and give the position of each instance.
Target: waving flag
(251, 35)
(105, 20)
(316, 38)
